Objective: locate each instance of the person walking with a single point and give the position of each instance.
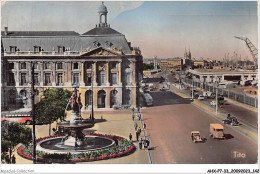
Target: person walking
(133, 110)
(140, 144)
(13, 159)
(139, 130)
(133, 117)
(130, 137)
(144, 126)
(135, 126)
(137, 136)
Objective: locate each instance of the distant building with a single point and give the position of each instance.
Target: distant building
(171, 64)
(222, 75)
(187, 62)
(64, 58)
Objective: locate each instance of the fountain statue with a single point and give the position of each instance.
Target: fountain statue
(74, 126)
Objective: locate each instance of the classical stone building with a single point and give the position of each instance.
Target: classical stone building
(65, 58)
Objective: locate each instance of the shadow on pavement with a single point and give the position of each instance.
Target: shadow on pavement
(167, 98)
(228, 136)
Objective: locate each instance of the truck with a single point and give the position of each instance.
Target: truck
(216, 131)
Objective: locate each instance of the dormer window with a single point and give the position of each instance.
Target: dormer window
(13, 49)
(96, 44)
(61, 49)
(37, 49)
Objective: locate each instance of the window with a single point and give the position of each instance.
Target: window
(113, 65)
(12, 97)
(128, 78)
(47, 65)
(101, 77)
(11, 79)
(36, 78)
(59, 78)
(35, 66)
(75, 66)
(114, 78)
(75, 78)
(37, 49)
(23, 78)
(11, 65)
(59, 65)
(61, 49)
(13, 49)
(47, 78)
(23, 65)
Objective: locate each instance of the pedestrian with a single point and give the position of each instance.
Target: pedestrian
(138, 109)
(101, 117)
(130, 137)
(140, 144)
(133, 117)
(135, 126)
(144, 126)
(137, 136)
(133, 110)
(139, 130)
(148, 143)
(13, 159)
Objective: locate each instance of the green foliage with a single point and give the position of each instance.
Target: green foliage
(13, 134)
(147, 66)
(52, 107)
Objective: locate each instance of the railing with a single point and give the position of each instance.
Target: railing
(237, 96)
(42, 53)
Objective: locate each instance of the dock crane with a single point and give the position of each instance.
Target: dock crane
(252, 48)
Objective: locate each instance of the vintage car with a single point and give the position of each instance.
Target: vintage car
(195, 136)
(216, 131)
(231, 120)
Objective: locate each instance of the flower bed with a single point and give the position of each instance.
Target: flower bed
(123, 148)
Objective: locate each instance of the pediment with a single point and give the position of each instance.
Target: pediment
(100, 52)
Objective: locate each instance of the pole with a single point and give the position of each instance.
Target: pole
(192, 90)
(33, 114)
(216, 100)
(92, 104)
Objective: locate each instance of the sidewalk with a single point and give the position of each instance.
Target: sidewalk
(247, 131)
(118, 123)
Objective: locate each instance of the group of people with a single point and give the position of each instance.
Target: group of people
(143, 143)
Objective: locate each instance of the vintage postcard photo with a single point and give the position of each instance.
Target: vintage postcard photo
(129, 82)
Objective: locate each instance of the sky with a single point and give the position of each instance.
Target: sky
(161, 28)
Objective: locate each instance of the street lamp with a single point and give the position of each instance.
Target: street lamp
(33, 114)
(92, 89)
(217, 99)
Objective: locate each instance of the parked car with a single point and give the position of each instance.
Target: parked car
(201, 97)
(248, 83)
(22, 120)
(195, 136)
(231, 120)
(213, 103)
(216, 131)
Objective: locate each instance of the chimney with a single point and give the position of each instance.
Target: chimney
(6, 31)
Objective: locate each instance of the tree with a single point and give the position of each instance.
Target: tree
(147, 66)
(52, 106)
(13, 134)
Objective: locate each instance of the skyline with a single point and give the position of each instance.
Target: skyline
(162, 29)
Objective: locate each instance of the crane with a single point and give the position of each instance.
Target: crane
(252, 48)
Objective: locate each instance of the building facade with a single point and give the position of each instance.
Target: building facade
(171, 64)
(101, 56)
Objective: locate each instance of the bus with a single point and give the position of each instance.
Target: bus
(147, 99)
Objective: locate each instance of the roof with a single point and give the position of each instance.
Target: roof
(101, 31)
(39, 33)
(216, 125)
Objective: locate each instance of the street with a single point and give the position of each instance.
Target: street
(169, 128)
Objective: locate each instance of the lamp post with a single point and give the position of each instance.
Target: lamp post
(217, 99)
(92, 89)
(33, 114)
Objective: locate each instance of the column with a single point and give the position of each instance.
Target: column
(134, 97)
(108, 96)
(82, 74)
(17, 74)
(41, 75)
(69, 80)
(95, 92)
(134, 73)
(53, 80)
(29, 74)
(95, 74)
(107, 74)
(119, 74)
